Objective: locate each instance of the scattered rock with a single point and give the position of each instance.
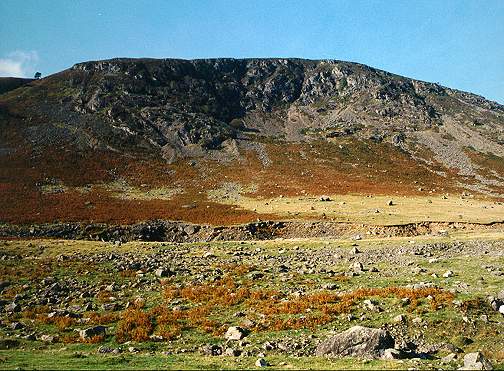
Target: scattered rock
(448, 274)
(13, 307)
(16, 326)
(48, 339)
(330, 286)
(231, 352)
(211, 350)
(357, 267)
(399, 318)
(392, 353)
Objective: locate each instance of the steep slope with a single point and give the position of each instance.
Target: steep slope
(135, 139)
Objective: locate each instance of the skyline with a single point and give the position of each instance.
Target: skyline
(454, 43)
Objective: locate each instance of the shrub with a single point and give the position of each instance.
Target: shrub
(135, 325)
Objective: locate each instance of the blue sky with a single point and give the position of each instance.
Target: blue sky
(458, 43)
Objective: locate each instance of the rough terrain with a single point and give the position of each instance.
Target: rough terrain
(158, 305)
(226, 213)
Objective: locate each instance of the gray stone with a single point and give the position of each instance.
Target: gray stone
(448, 274)
(92, 332)
(161, 272)
(13, 307)
(392, 353)
(235, 333)
(452, 357)
(476, 361)
(357, 267)
(357, 341)
(500, 295)
(16, 326)
(211, 350)
(231, 352)
(48, 338)
(261, 362)
(330, 286)
(399, 318)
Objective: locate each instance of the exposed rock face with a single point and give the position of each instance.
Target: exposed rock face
(357, 341)
(186, 107)
(176, 103)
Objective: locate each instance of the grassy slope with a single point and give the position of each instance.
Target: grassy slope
(69, 186)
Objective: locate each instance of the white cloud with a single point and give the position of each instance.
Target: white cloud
(19, 64)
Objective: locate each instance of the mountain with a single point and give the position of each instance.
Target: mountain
(125, 140)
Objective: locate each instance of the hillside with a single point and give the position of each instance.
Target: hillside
(206, 141)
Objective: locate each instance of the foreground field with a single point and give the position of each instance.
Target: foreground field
(170, 305)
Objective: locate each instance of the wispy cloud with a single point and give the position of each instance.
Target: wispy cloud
(19, 64)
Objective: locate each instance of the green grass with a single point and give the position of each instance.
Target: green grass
(470, 281)
(80, 358)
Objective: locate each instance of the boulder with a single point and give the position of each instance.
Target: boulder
(261, 362)
(231, 352)
(48, 338)
(476, 361)
(92, 332)
(235, 333)
(161, 272)
(211, 350)
(357, 341)
(13, 307)
(357, 267)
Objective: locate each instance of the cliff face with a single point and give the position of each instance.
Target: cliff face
(221, 110)
(175, 103)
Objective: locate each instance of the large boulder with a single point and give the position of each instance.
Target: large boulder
(476, 361)
(235, 333)
(91, 332)
(357, 341)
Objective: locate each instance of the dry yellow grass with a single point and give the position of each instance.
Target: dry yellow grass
(374, 210)
(125, 191)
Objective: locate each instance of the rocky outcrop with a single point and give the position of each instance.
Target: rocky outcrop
(185, 108)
